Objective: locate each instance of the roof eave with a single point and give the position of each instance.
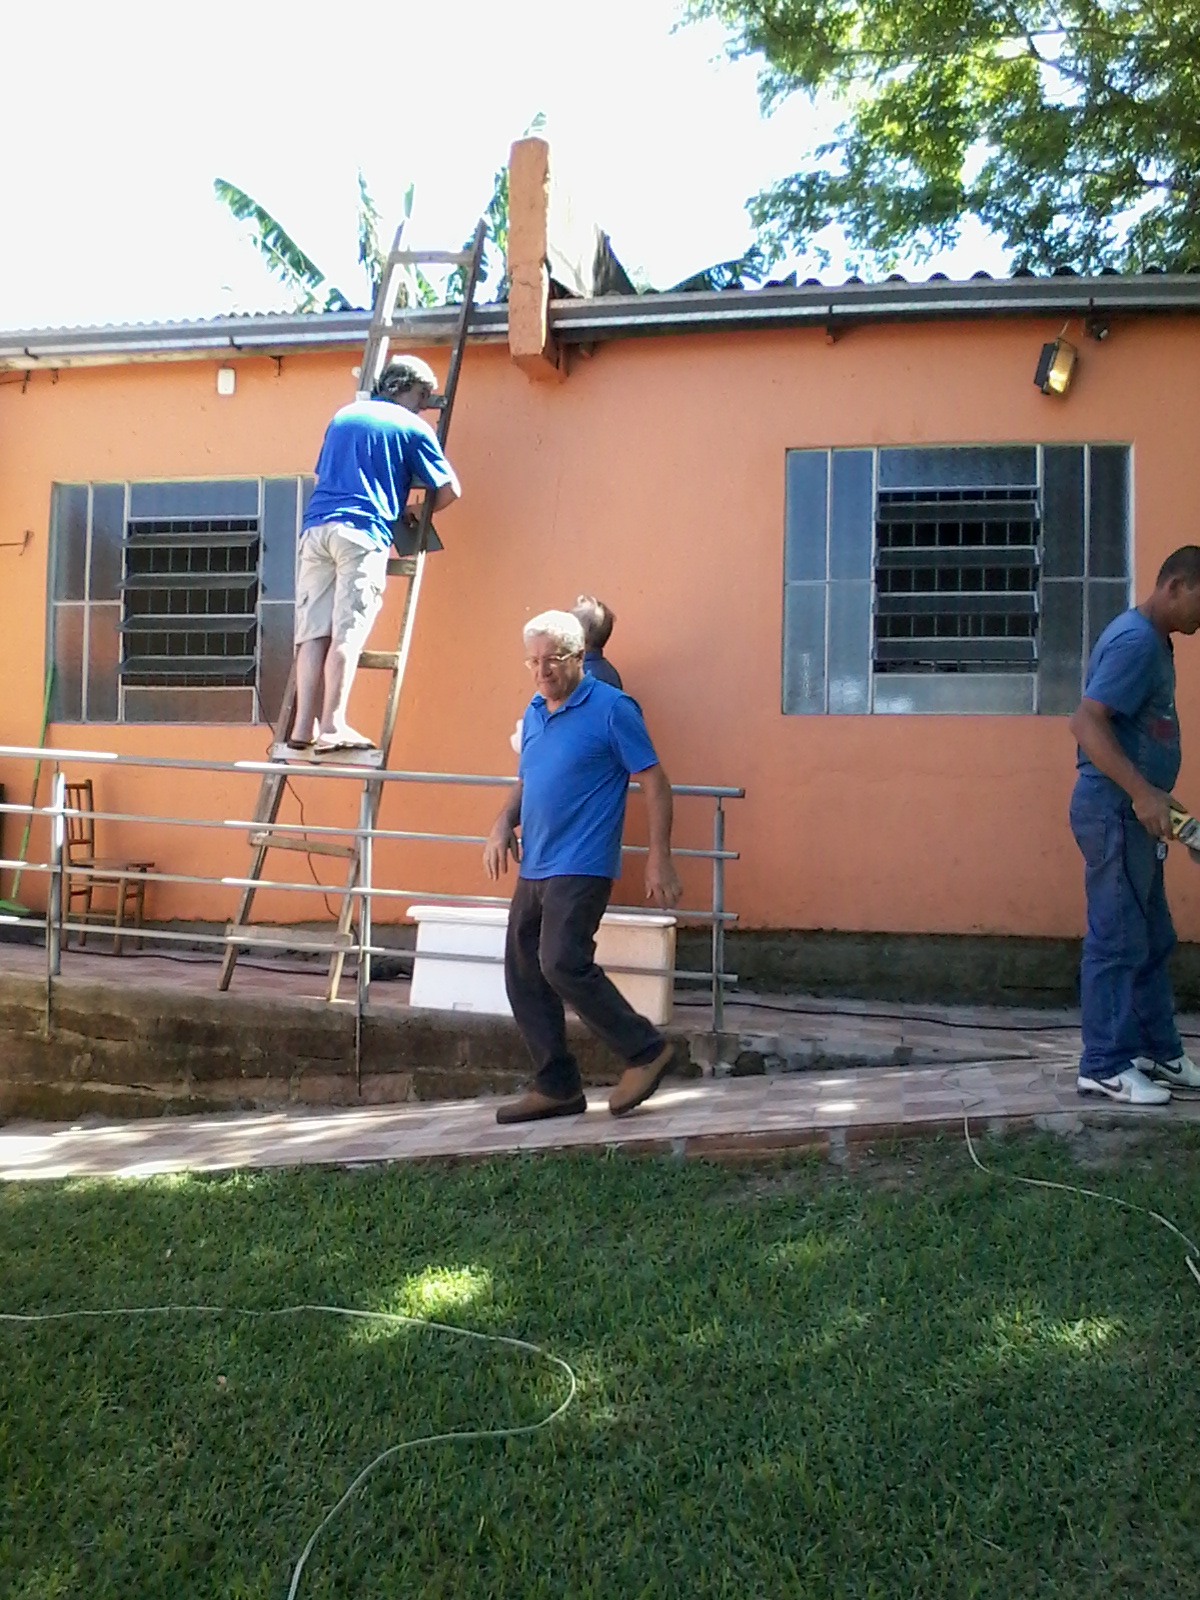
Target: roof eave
(580, 322)
(615, 317)
(227, 338)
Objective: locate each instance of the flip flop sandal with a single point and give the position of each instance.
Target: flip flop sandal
(329, 747)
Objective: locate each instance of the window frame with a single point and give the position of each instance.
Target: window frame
(824, 586)
(90, 686)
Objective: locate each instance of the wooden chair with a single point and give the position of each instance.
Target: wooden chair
(126, 878)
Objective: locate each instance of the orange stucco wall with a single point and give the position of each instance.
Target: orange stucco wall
(654, 476)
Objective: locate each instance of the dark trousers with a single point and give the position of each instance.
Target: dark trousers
(549, 958)
(1124, 987)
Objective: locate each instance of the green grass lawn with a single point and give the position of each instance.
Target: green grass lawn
(901, 1380)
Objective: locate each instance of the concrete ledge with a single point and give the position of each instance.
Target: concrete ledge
(930, 968)
(145, 1050)
(918, 968)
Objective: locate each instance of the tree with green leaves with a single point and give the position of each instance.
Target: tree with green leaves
(299, 273)
(312, 291)
(1071, 128)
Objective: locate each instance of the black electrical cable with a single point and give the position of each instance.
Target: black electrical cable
(886, 1016)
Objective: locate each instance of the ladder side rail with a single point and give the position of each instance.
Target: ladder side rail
(425, 521)
(368, 817)
(460, 339)
(375, 351)
(266, 810)
(391, 710)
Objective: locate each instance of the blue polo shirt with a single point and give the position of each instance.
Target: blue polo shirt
(575, 768)
(372, 452)
(597, 665)
(1132, 672)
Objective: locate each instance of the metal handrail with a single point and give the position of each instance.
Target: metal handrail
(242, 824)
(58, 867)
(313, 769)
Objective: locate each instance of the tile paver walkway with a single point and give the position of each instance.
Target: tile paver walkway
(706, 1116)
(997, 1065)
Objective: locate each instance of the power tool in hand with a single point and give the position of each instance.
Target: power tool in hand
(1185, 828)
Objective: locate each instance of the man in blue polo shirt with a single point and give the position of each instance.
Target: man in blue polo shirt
(581, 740)
(1127, 731)
(373, 451)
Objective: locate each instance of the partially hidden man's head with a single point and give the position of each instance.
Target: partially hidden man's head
(406, 381)
(595, 619)
(1178, 585)
(554, 653)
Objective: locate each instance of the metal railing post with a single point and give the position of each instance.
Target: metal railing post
(54, 892)
(363, 987)
(54, 900)
(718, 928)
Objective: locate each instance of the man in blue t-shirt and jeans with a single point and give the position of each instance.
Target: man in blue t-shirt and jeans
(1128, 736)
(581, 741)
(373, 451)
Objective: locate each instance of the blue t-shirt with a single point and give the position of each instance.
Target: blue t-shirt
(575, 768)
(1132, 672)
(372, 452)
(597, 665)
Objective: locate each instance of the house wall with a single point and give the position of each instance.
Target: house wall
(654, 476)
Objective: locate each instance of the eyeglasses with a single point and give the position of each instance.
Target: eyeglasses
(534, 662)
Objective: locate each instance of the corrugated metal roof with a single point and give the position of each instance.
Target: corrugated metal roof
(1064, 294)
(895, 300)
(260, 333)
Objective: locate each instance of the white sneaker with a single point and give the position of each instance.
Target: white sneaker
(1182, 1073)
(1132, 1087)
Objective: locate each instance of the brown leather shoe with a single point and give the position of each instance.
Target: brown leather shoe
(534, 1106)
(639, 1083)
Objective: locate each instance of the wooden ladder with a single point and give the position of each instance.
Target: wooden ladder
(413, 544)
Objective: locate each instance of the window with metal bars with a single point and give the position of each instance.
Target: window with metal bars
(190, 602)
(950, 578)
(956, 580)
(172, 601)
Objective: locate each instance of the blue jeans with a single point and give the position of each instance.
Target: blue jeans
(1124, 988)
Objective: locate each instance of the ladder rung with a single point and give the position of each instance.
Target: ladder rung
(431, 258)
(380, 660)
(402, 567)
(298, 841)
(277, 936)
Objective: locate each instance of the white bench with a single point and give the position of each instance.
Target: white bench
(473, 980)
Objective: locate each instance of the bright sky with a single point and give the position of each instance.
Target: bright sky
(123, 112)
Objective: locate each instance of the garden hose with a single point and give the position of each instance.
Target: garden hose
(393, 1318)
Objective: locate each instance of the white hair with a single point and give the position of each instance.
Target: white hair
(564, 629)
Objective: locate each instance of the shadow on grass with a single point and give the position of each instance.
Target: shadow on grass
(810, 1388)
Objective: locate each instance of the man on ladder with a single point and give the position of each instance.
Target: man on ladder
(374, 450)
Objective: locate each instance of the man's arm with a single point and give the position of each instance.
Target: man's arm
(446, 495)
(662, 881)
(502, 841)
(1091, 726)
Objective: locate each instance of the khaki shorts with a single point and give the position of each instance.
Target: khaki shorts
(339, 584)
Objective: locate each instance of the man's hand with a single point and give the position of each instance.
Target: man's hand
(501, 843)
(1153, 810)
(662, 882)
